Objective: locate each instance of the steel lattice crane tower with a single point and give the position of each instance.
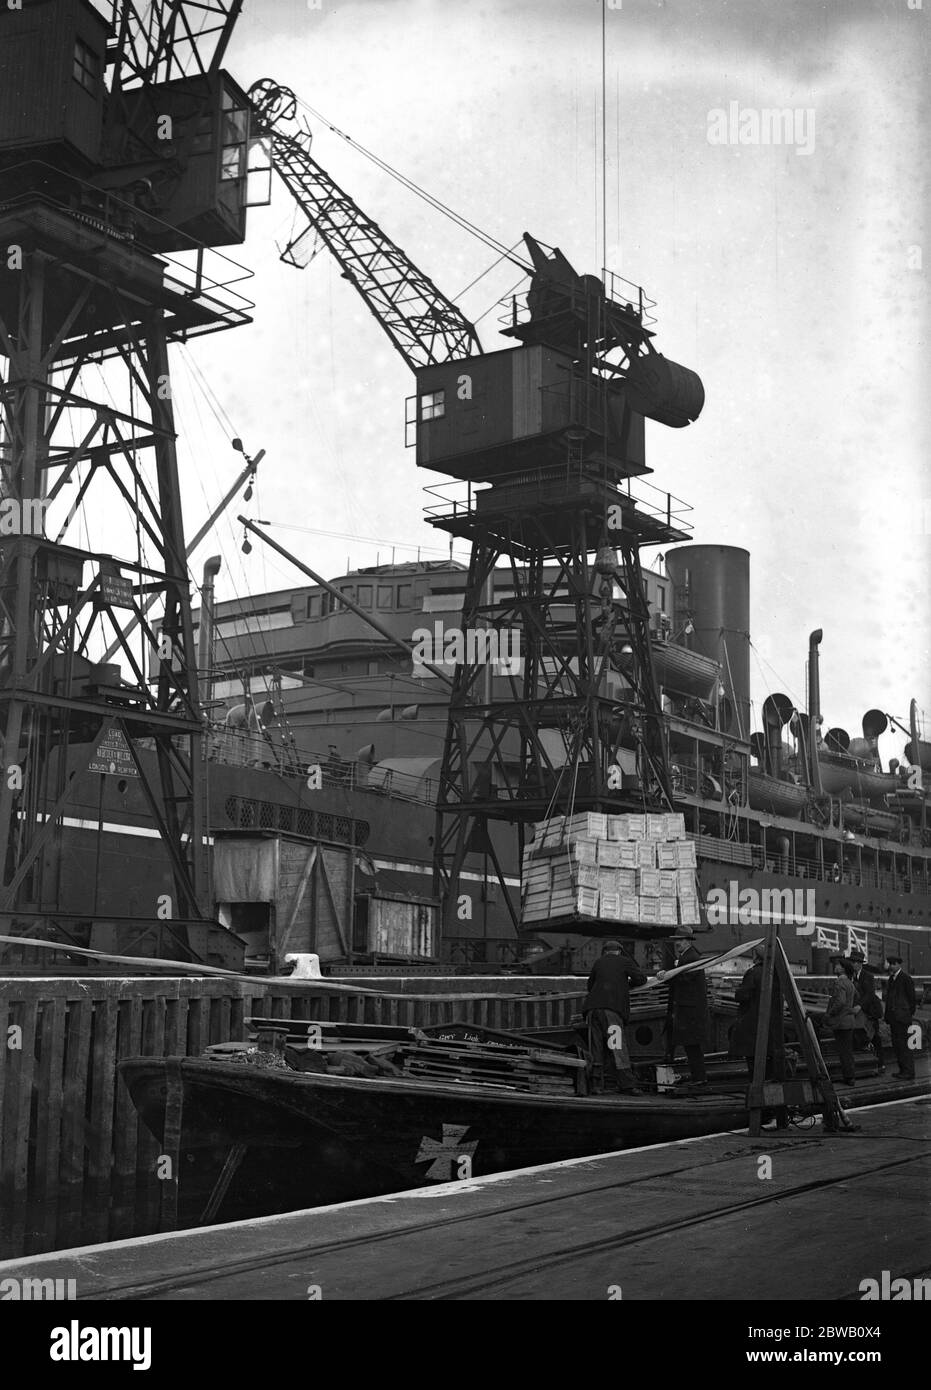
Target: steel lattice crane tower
(555, 706)
(123, 151)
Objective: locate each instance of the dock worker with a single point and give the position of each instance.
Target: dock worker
(687, 1010)
(607, 1010)
(868, 1003)
(900, 1009)
(839, 1016)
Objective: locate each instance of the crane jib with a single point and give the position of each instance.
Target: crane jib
(423, 324)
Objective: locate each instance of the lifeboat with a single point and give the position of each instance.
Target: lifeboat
(766, 793)
(869, 818)
(680, 670)
(840, 774)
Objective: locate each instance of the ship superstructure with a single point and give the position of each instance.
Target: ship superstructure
(855, 860)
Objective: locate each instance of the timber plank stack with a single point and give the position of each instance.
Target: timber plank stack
(624, 868)
(533, 1070)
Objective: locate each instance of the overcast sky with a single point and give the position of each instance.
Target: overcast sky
(790, 277)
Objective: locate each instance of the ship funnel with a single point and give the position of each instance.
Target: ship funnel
(711, 601)
(837, 740)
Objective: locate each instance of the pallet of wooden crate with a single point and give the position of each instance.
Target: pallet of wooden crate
(636, 868)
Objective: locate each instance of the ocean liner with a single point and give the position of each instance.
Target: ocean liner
(854, 852)
(324, 754)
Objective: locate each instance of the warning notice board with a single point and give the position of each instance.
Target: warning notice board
(112, 757)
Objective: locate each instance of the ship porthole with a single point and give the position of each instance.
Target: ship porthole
(644, 1035)
(121, 785)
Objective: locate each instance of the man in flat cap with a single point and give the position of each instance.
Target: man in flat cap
(687, 1010)
(901, 1002)
(868, 1003)
(607, 1009)
(839, 1016)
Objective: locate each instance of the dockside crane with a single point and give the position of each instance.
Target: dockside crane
(552, 431)
(122, 141)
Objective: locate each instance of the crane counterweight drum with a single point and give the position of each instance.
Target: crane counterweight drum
(664, 391)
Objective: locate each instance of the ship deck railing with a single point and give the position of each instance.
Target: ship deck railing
(740, 852)
(234, 749)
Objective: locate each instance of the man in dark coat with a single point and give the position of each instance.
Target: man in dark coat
(839, 1017)
(607, 1009)
(742, 1041)
(868, 1002)
(747, 996)
(687, 1010)
(900, 1009)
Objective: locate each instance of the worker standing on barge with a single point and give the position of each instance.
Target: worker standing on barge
(687, 1010)
(607, 1009)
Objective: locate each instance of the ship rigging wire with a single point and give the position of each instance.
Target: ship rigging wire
(365, 540)
(799, 704)
(604, 134)
(263, 654)
(437, 203)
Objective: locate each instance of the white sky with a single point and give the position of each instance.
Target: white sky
(783, 278)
